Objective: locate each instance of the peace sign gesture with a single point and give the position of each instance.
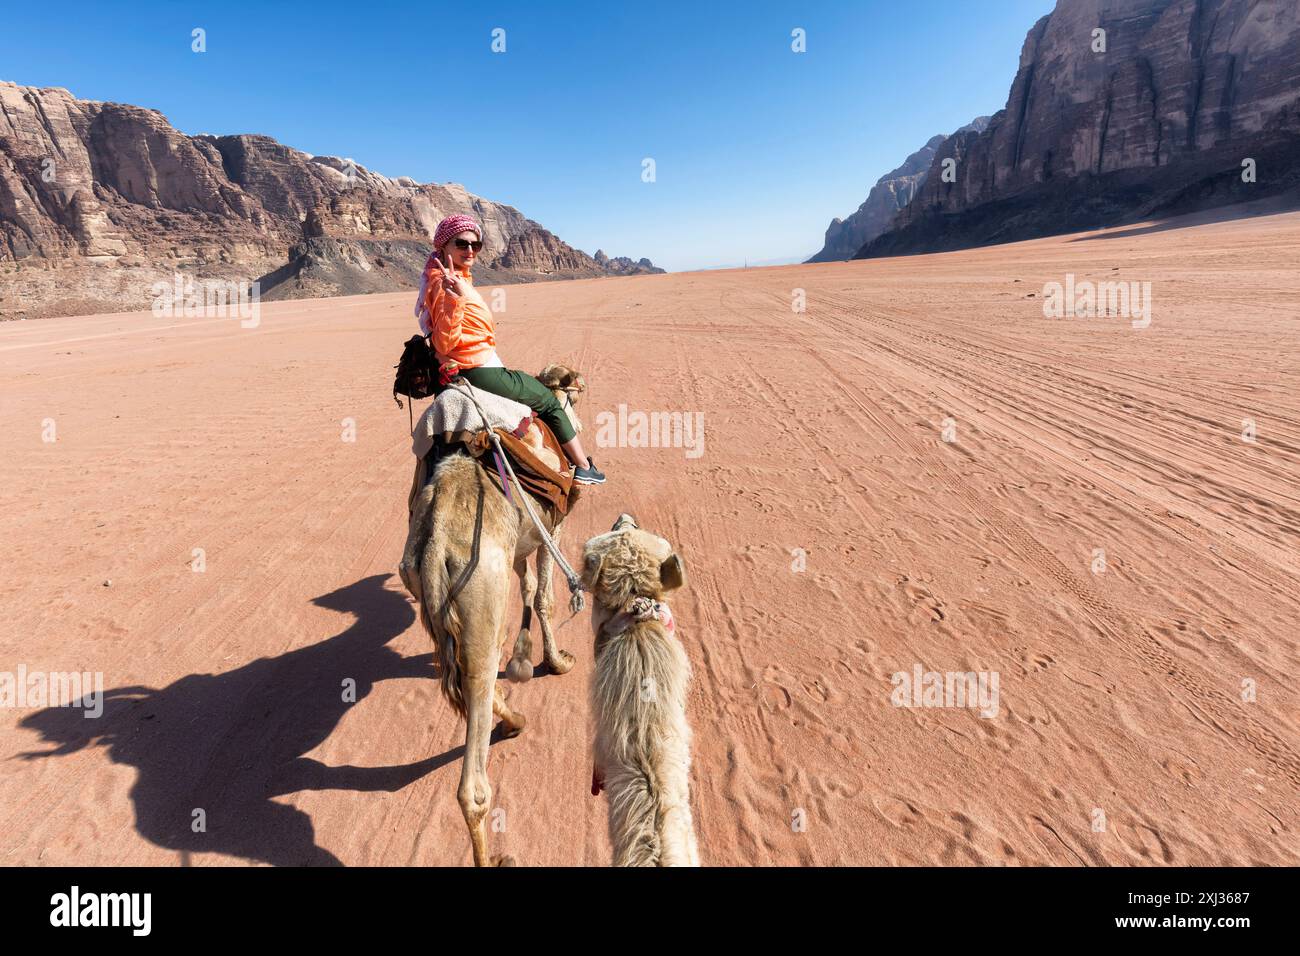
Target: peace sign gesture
(452, 284)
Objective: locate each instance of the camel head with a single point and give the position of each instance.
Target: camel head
(627, 562)
(566, 385)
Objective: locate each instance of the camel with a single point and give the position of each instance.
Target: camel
(464, 538)
(643, 742)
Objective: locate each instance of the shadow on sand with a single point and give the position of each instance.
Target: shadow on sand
(1257, 209)
(231, 743)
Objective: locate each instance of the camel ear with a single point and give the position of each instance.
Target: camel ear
(591, 569)
(672, 573)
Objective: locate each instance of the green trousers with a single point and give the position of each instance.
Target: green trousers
(526, 390)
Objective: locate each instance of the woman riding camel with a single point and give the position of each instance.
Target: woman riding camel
(463, 336)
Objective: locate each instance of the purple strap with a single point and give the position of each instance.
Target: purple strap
(496, 457)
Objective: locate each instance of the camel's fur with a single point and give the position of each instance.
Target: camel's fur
(561, 380)
(642, 749)
(468, 631)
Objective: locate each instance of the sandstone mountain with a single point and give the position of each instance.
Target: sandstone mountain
(622, 265)
(892, 192)
(1158, 122)
(98, 201)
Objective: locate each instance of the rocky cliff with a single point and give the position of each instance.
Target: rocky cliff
(892, 192)
(100, 200)
(622, 265)
(539, 251)
(1122, 110)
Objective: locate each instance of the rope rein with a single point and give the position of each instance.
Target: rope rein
(576, 601)
(468, 570)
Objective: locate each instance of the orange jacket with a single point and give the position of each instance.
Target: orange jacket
(462, 327)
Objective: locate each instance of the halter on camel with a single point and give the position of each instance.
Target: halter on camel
(641, 609)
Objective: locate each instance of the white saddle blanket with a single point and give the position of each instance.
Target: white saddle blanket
(453, 412)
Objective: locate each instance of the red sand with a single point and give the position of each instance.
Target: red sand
(1120, 691)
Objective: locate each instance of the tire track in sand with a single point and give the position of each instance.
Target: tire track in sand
(1132, 637)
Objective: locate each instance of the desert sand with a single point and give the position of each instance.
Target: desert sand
(1097, 532)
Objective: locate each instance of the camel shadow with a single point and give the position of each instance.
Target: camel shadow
(228, 744)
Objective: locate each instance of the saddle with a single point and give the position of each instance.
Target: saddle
(536, 476)
(443, 428)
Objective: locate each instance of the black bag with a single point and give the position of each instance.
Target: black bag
(417, 372)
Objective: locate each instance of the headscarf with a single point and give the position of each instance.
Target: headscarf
(448, 229)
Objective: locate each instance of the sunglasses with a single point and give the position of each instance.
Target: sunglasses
(468, 244)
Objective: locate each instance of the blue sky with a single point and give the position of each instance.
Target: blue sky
(756, 147)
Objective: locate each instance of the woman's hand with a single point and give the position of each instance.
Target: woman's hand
(451, 283)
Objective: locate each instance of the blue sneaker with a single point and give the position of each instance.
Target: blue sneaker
(589, 475)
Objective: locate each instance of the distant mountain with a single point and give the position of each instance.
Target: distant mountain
(892, 192)
(98, 201)
(1186, 97)
(622, 265)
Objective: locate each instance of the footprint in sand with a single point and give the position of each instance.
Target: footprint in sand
(775, 698)
(921, 595)
(774, 694)
(994, 736)
(977, 842)
(827, 584)
(1144, 842)
(1181, 769)
(817, 691)
(1035, 661)
(1036, 715)
(898, 811)
(844, 789)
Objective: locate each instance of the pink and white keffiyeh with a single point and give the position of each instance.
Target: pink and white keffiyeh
(448, 229)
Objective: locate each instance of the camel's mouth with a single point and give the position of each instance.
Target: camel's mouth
(625, 520)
